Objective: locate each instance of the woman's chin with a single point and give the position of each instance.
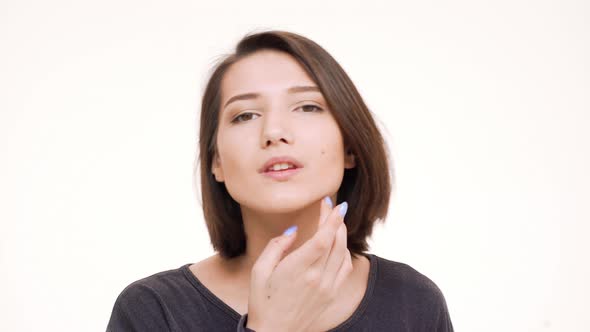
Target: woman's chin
(282, 205)
(283, 209)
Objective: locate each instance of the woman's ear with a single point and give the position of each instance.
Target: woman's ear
(216, 169)
(349, 160)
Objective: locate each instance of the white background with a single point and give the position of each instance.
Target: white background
(484, 104)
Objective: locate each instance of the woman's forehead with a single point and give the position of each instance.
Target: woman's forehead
(264, 72)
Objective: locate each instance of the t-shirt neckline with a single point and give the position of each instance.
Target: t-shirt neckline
(236, 315)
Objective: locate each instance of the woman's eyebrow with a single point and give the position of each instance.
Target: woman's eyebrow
(244, 96)
(296, 89)
(253, 95)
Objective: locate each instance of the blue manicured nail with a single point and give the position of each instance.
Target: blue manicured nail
(290, 230)
(343, 208)
(329, 201)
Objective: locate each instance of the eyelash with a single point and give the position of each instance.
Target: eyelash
(318, 109)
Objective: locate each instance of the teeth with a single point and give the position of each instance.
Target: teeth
(279, 167)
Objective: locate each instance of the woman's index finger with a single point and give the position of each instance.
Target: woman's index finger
(321, 241)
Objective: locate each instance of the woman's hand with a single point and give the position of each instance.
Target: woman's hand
(287, 294)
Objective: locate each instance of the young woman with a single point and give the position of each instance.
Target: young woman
(287, 143)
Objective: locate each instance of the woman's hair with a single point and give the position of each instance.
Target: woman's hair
(366, 187)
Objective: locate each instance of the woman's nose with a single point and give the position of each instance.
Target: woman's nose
(275, 129)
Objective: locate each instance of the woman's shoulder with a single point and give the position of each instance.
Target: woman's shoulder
(158, 282)
(402, 278)
(150, 302)
(409, 295)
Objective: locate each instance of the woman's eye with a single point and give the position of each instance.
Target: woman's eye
(310, 108)
(243, 117)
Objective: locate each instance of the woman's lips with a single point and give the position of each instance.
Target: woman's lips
(282, 175)
(280, 160)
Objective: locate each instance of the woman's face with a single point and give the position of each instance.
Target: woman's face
(270, 107)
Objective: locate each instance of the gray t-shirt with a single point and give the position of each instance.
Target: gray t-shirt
(398, 298)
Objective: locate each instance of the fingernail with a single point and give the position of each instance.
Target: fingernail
(343, 208)
(329, 201)
(290, 230)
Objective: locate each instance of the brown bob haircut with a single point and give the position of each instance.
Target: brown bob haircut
(366, 187)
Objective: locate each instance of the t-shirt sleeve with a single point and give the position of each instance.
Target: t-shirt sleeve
(139, 308)
(443, 322)
(418, 300)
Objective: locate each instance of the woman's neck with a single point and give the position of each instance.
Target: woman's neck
(260, 228)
